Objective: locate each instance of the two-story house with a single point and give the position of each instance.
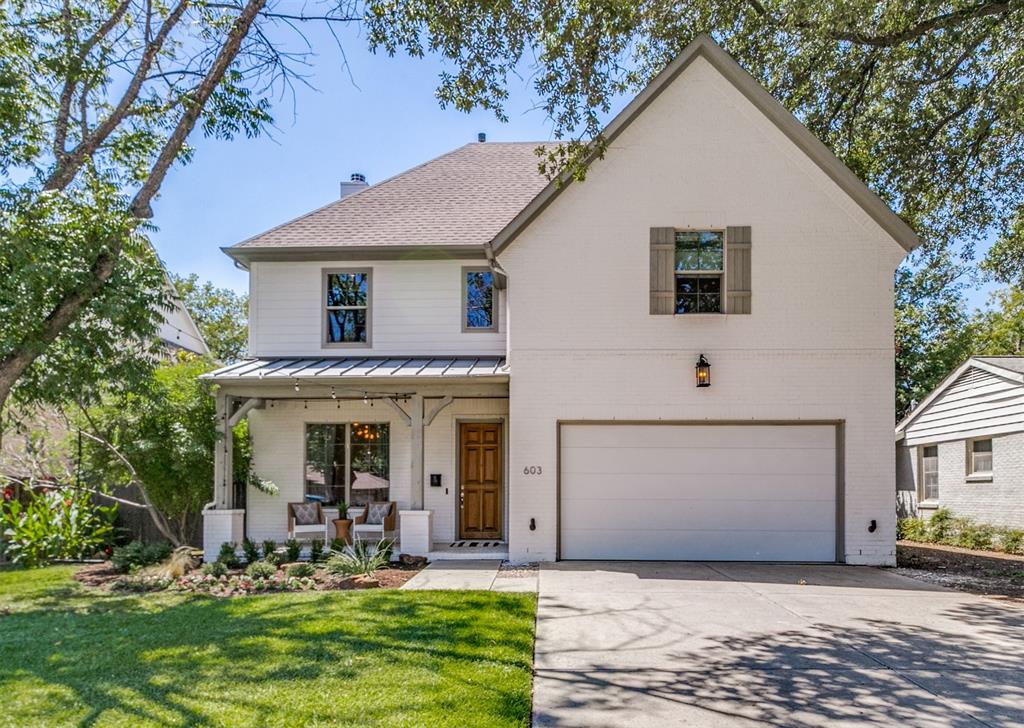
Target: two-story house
(689, 355)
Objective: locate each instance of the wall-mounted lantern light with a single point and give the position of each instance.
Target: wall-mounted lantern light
(703, 372)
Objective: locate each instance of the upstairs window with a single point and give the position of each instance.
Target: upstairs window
(930, 472)
(979, 461)
(699, 270)
(347, 307)
(479, 312)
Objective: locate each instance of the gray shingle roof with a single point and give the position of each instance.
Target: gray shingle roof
(463, 197)
(1013, 363)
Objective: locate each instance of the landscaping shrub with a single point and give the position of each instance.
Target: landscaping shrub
(274, 558)
(1011, 540)
(300, 570)
(215, 568)
(338, 544)
(250, 550)
(359, 559)
(941, 527)
(260, 570)
(53, 524)
(292, 549)
(269, 547)
(141, 583)
(316, 550)
(912, 529)
(138, 555)
(227, 555)
(975, 535)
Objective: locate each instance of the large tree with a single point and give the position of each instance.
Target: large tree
(98, 99)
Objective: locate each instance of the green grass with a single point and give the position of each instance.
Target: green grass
(382, 658)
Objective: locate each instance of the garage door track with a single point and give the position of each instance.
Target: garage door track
(664, 644)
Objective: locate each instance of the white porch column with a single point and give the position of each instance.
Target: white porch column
(416, 470)
(223, 485)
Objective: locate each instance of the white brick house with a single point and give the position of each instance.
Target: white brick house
(525, 351)
(962, 447)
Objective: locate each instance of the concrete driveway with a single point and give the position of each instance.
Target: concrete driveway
(666, 644)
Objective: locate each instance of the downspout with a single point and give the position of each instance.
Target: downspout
(501, 284)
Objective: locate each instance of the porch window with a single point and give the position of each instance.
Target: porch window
(348, 463)
(347, 307)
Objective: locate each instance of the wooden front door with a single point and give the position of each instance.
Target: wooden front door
(480, 476)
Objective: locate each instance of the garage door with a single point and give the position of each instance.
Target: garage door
(700, 492)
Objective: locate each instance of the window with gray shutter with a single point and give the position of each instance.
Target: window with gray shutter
(737, 269)
(663, 283)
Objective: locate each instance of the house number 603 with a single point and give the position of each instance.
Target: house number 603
(532, 470)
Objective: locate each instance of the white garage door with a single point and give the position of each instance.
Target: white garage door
(700, 492)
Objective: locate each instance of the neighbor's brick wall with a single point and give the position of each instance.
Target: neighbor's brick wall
(999, 503)
(818, 344)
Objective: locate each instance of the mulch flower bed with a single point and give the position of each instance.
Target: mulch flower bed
(979, 572)
(237, 583)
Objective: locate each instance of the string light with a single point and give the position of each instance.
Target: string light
(305, 404)
(333, 394)
(296, 385)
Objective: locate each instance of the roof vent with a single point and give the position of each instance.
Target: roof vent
(356, 183)
(481, 137)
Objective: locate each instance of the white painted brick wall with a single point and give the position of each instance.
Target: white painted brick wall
(999, 502)
(817, 346)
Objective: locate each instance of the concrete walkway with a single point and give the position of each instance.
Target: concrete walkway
(723, 645)
(476, 574)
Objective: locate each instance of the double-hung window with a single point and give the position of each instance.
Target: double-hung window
(479, 310)
(699, 271)
(979, 458)
(348, 463)
(346, 300)
(930, 472)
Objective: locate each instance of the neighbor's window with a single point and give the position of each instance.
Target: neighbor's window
(348, 463)
(700, 269)
(347, 307)
(478, 299)
(980, 462)
(930, 472)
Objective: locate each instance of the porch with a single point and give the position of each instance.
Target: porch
(348, 431)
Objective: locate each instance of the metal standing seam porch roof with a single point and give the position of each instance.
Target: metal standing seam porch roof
(285, 369)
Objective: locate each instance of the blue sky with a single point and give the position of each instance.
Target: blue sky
(385, 123)
(380, 121)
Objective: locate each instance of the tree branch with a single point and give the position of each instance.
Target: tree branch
(923, 27)
(194, 106)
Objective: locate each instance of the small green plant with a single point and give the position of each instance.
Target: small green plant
(53, 524)
(1011, 540)
(141, 583)
(292, 549)
(941, 526)
(975, 535)
(274, 558)
(316, 550)
(912, 529)
(269, 547)
(138, 555)
(260, 570)
(227, 555)
(250, 550)
(215, 568)
(338, 544)
(300, 570)
(360, 558)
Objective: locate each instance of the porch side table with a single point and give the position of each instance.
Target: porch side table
(343, 530)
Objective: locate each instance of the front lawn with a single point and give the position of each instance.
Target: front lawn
(70, 656)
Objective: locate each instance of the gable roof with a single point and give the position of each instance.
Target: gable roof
(1008, 367)
(703, 46)
(458, 200)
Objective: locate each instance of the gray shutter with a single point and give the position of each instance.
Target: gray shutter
(737, 269)
(663, 263)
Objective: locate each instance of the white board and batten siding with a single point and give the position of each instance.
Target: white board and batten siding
(978, 403)
(698, 492)
(416, 308)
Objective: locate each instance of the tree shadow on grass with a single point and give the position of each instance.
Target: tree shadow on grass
(341, 657)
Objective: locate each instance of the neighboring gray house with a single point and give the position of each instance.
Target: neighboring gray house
(962, 448)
